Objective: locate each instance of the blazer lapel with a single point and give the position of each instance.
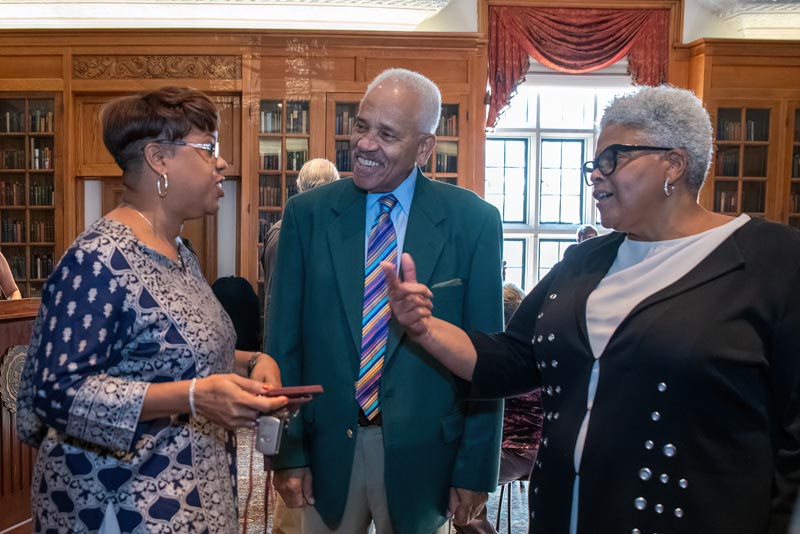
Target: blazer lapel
(346, 244)
(423, 241)
(725, 258)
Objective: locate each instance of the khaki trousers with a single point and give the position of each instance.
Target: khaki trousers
(366, 497)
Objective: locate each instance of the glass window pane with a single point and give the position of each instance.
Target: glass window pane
(495, 150)
(551, 181)
(506, 180)
(570, 209)
(562, 180)
(550, 208)
(494, 181)
(564, 108)
(551, 251)
(514, 261)
(515, 153)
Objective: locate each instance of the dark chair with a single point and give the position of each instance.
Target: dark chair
(507, 489)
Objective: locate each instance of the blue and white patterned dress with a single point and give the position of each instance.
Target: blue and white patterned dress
(117, 316)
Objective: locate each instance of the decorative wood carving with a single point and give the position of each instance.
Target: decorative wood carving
(148, 67)
(10, 374)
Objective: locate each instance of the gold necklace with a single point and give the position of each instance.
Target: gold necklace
(155, 232)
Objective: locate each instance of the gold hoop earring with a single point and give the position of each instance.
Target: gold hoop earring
(668, 188)
(163, 193)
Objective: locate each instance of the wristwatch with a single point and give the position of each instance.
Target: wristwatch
(251, 363)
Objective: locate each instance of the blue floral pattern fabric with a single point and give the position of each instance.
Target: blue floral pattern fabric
(117, 316)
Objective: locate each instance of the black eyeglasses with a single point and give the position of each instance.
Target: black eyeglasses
(211, 148)
(606, 161)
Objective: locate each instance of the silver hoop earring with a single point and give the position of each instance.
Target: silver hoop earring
(668, 188)
(163, 193)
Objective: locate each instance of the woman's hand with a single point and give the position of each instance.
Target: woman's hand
(410, 301)
(266, 370)
(233, 401)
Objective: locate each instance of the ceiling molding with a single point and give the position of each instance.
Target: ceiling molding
(759, 19)
(378, 15)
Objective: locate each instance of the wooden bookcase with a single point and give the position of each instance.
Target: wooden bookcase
(28, 187)
(793, 166)
(752, 92)
(741, 164)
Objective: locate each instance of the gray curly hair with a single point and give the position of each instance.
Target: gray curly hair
(671, 117)
(430, 96)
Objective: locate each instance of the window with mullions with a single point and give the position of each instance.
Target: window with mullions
(533, 164)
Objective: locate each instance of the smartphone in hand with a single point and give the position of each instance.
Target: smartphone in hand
(295, 392)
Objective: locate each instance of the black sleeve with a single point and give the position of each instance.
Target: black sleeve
(506, 365)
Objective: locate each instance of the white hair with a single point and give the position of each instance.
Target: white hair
(314, 172)
(429, 94)
(670, 117)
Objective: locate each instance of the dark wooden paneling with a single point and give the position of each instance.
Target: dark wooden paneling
(16, 458)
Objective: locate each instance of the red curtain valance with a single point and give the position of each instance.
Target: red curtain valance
(575, 41)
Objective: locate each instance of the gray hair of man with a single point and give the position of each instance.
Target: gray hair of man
(314, 172)
(670, 117)
(429, 94)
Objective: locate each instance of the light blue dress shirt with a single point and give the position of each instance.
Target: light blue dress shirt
(404, 193)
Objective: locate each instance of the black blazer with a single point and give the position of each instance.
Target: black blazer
(698, 401)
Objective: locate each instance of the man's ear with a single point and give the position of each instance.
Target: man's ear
(425, 149)
(155, 157)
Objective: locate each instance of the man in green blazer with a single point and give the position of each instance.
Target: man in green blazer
(392, 440)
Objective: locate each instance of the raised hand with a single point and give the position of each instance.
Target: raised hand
(410, 301)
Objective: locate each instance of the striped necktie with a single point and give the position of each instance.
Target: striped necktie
(382, 246)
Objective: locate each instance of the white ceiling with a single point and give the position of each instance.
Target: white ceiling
(767, 19)
(257, 14)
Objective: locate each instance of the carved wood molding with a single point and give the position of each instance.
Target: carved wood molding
(10, 374)
(149, 67)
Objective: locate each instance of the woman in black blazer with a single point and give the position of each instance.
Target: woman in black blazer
(668, 351)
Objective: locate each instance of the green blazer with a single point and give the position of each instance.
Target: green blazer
(433, 438)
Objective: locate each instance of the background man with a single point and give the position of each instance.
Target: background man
(391, 440)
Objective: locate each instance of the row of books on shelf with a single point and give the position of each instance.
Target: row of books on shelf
(297, 120)
(343, 162)
(41, 265)
(13, 231)
(13, 122)
(270, 194)
(448, 126)
(732, 130)
(41, 158)
(264, 224)
(728, 163)
(794, 202)
(344, 123)
(42, 231)
(294, 160)
(13, 194)
(12, 158)
(446, 163)
(796, 166)
(270, 122)
(726, 202)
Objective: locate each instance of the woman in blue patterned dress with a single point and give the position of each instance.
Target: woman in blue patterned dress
(132, 383)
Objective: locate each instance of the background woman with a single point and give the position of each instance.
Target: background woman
(668, 351)
(132, 382)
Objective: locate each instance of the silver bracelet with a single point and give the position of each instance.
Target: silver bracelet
(191, 397)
